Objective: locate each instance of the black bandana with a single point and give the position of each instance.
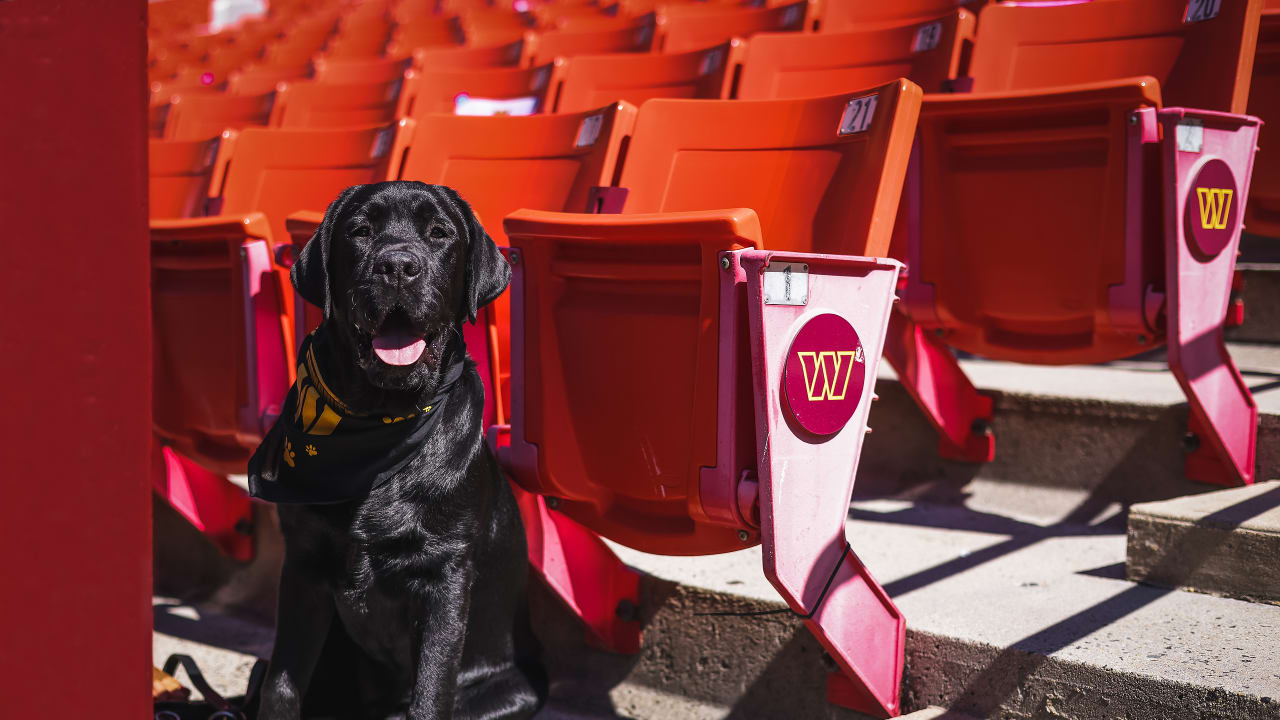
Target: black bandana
(321, 451)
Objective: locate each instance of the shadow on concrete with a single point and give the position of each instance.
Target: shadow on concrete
(1022, 535)
(213, 629)
(985, 694)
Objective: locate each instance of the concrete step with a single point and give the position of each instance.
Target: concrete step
(1112, 431)
(1007, 617)
(1224, 543)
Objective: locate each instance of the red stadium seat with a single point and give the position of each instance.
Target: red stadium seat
(424, 32)
(696, 26)
(363, 70)
(468, 58)
(310, 104)
(589, 81)
(557, 163)
(200, 116)
(1262, 216)
(779, 65)
(845, 15)
(1045, 219)
(484, 27)
(648, 355)
(512, 91)
(258, 79)
(180, 173)
(219, 380)
(545, 46)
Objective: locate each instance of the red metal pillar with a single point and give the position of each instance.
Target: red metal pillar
(75, 359)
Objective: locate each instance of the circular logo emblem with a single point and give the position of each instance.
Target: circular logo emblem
(1213, 206)
(825, 373)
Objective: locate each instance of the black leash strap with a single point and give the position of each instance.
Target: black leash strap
(224, 709)
(803, 616)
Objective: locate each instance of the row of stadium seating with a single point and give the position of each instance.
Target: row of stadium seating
(1075, 197)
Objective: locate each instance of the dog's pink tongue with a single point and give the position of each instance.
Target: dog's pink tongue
(398, 348)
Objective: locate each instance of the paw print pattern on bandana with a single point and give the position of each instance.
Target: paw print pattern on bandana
(288, 452)
(311, 450)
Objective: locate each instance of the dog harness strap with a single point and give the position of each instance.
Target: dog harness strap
(320, 451)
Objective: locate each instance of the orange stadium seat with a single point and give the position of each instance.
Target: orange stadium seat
(844, 15)
(200, 116)
(512, 91)
(482, 27)
(180, 173)
(681, 28)
(425, 32)
(363, 70)
(779, 65)
(311, 104)
(1045, 222)
(684, 462)
(467, 58)
(545, 46)
(219, 381)
(558, 160)
(257, 79)
(1262, 216)
(589, 81)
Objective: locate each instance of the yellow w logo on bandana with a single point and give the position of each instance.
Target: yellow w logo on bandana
(1215, 206)
(833, 368)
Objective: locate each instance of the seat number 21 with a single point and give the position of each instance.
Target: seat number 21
(1198, 10)
(858, 114)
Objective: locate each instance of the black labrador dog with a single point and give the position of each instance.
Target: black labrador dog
(405, 561)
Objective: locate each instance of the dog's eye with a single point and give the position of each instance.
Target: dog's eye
(439, 232)
(361, 231)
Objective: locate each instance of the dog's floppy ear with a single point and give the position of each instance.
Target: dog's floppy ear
(487, 272)
(310, 271)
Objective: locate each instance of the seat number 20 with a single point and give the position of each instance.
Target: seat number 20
(1198, 10)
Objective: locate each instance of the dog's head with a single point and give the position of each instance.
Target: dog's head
(397, 266)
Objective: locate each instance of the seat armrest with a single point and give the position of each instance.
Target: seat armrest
(1139, 90)
(252, 225)
(738, 226)
(301, 226)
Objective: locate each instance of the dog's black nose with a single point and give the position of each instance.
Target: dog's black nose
(397, 265)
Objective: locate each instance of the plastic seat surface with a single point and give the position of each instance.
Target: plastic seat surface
(543, 47)
(1198, 64)
(200, 116)
(779, 65)
(557, 166)
(213, 404)
(845, 15)
(281, 171)
(589, 81)
(1263, 213)
(207, 280)
(682, 28)
(360, 70)
(599, 441)
(258, 79)
(647, 361)
(1036, 298)
(1039, 228)
(467, 58)
(437, 91)
(783, 159)
(180, 173)
(310, 104)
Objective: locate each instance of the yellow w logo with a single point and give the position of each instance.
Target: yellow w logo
(833, 367)
(1215, 204)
